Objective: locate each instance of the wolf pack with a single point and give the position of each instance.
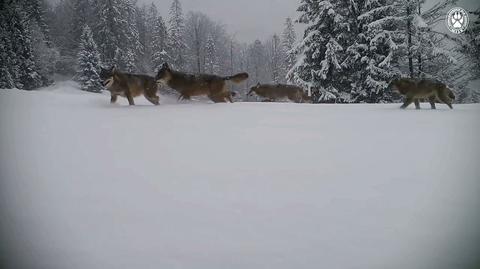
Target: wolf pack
(216, 88)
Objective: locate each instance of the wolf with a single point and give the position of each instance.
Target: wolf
(273, 92)
(188, 85)
(129, 86)
(416, 90)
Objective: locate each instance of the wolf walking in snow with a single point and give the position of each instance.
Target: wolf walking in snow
(273, 92)
(416, 90)
(129, 86)
(215, 87)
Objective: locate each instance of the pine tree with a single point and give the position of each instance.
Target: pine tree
(6, 79)
(257, 60)
(144, 61)
(23, 66)
(133, 46)
(211, 61)
(35, 12)
(88, 63)
(176, 39)
(117, 34)
(109, 30)
(288, 42)
(81, 12)
(318, 69)
(6, 52)
(276, 59)
(369, 58)
(159, 44)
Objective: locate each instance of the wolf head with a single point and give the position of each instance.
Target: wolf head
(164, 74)
(254, 89)
(400, 85)
(106, 75)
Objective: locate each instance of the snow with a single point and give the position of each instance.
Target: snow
(86, 184)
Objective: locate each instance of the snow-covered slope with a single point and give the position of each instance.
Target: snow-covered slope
(86, 184)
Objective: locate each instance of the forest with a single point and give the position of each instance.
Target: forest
(348, 53)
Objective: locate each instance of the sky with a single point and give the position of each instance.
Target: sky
(247, 19)
(252, 19)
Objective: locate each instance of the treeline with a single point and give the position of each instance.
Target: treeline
(76, 37)
(25, 45)
(349, 52)
(352, 49)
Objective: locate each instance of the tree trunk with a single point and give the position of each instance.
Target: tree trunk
(409, 41)
(419, 53)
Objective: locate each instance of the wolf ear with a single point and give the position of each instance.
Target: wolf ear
(165, 66)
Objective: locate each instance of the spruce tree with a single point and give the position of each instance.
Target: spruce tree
(369, 60)
(133, 47)
(318, 68)
(289, 38)
(24, 67)
(6, 79)
(88, 63)
(81, 12)
(176, 38)
(159, 44)
(211, 61)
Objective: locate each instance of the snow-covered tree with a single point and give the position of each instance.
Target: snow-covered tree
(81, 12)
(321, 52)
(472, 44)
(117, 35)
(133, 47)
(109, 29)
(176, 38)
(211, 61)
(15, 31)
(289, 38)
(258, 61)
(88, 63)
(196, 33)
(276, 57)
(159, 44)
(6, 79)
(369, 58)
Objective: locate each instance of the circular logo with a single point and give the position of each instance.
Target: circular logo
(457, 20)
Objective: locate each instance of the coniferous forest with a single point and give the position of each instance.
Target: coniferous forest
(348, 52)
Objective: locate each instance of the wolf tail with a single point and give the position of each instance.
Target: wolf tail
(237, 78)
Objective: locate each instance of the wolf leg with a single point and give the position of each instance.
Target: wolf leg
(417, 104)
(407, 103)
(183, 97)
(432, 102)
(217, 98)
(130, 98)
(113, 99)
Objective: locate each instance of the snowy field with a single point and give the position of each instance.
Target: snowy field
(89, 185)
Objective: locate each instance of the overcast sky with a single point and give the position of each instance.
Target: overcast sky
(248, 19)
(252, 19)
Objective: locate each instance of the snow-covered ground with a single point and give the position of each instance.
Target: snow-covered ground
(86, 184)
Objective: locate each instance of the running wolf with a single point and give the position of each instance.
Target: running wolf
(215, 87)
(273, 92)
(129, 86)
(416, 90)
